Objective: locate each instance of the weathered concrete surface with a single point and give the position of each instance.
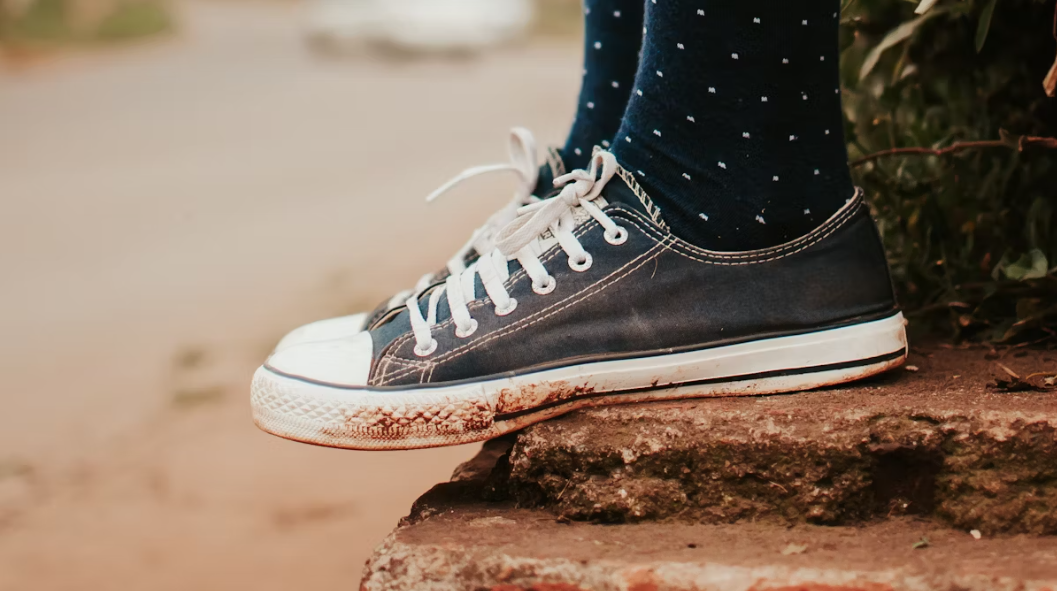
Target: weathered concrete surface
(939, 442)
(743, 494)
(456, 545)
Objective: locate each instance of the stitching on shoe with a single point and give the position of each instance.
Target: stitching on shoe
(680, 248)
(545, 258)
(555, 162)
(655, 212)
(760, 256)
(651, 207)
(407, 364)
(572, 300)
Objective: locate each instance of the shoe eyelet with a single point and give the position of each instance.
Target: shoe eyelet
(473, 329)
(509, 308)
(581, 265)
(620, 238)
(548, 286)
(429, 351)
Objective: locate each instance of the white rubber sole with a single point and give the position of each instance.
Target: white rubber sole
(434, 416)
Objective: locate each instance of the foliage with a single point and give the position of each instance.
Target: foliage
(44, 23)
(971, 235)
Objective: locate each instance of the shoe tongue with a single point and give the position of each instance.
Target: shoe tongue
(544, 183)
(623, 190)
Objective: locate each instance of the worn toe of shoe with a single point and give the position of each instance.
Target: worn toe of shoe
(338, 362)
(324, 330)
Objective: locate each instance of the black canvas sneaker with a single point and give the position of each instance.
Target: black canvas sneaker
(534, 179)
(588, 299)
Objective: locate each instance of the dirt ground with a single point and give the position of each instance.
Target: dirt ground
(169, 211)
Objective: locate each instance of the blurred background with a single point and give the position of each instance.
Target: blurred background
(180, 184)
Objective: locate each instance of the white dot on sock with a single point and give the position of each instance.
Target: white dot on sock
(763, 99)
(759, 218)
(703, 216)
(616, 13)
(775, 179)
(615, 84)
(711, 90)
(627, 139)
(587, 11)
(680, 46)
(804, 22)
(686, 176)
(598, 45)
(804, 97)
(836, 91)
(690, 118)
(734, 56)
(657, 132)
(660, 74)
(590, 105)
(756, 20)
(640, 173)
(807, 212)
(821, 58)
(827, 132)
(792, 138)
(638, 92)
(723, 166)
(746, 135)
(785, 61)
(700, 12)
(816, 172)
(605, 143)
(577, 151)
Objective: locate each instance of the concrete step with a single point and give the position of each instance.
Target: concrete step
(454, 542)
(940, 442)
(849, 489)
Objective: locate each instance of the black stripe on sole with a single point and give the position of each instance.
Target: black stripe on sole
(727, 379)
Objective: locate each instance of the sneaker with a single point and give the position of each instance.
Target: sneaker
(588, 299)
(534, 178)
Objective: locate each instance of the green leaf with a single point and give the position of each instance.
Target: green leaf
(985, 24)
(893, 38)
(1032, 265)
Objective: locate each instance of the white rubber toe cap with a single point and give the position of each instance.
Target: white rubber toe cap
(324, 330)
(340, 362)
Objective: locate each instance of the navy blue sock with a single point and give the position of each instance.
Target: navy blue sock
(612, 40)
(735, 126)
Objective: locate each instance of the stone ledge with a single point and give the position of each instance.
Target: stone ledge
(936, 442)
(455, 545)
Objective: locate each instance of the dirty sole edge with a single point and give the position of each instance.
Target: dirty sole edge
(379, 419)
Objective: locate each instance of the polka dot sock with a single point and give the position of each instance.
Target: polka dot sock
(734, 126)
(612, 39)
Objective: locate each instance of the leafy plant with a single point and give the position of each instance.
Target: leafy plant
(951, 134)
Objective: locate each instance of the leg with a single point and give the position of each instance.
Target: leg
(735, 126)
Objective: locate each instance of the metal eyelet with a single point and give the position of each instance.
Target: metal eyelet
(509, 308)
(473, 329)
(429, 351)
(581, 265)
(620, 238)
(548, 286)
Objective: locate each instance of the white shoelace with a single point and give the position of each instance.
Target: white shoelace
(524, 163)
(523, 239)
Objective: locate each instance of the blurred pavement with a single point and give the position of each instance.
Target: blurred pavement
(169, 211)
